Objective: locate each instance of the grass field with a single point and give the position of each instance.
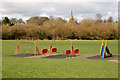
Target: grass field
(19, 67)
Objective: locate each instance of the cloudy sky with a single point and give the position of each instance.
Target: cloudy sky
(59, 8)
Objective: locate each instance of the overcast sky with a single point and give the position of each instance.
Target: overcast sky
(59, 8)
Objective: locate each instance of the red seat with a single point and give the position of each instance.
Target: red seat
(76, 51)
(68, 51)
(54, 50)
(44, 51)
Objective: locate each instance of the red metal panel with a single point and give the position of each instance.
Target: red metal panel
(68, 51)
(76, 51)
(54, 50)
(44, 50)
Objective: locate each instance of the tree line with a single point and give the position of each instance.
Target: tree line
(59, 29)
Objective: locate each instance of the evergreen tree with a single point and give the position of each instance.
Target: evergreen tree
(6, 21)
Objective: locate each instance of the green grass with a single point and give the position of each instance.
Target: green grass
(13, 67)
(44, 68)
(85, 46)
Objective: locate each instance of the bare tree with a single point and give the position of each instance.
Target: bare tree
(104, 21)
(20, 21)
(99, 17)
(110, 19)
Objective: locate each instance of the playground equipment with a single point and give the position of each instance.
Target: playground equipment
(67, 52)
(74, 52)
(27, 48)
(31, 48)
(104, 49)
(52, 50)
(44, 51)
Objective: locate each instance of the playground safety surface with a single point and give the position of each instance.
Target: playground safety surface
(80, 56)
(114, 58)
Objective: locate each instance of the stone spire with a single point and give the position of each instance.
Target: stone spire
(71, 17)
(71, 14)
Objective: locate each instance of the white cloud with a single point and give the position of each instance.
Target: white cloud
(79, 17)
(25, 9)
(113, 14)
(25, 18)
(3, 10)
(60, 0)
(18, 16)
(67, 19)
(44, 15)
(49, 9)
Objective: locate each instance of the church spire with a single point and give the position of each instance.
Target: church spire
(71, 17)
(71, 14)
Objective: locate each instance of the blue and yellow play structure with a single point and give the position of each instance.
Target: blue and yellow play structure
(104, 49)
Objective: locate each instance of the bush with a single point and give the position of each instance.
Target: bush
(60, 29)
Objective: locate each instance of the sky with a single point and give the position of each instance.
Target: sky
(59, 8)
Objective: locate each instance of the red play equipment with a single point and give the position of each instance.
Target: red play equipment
(18, 48)
(51, 50)
(67, 52)
(44, 51)
(50, 47)
(54, 50)
(74, 52)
